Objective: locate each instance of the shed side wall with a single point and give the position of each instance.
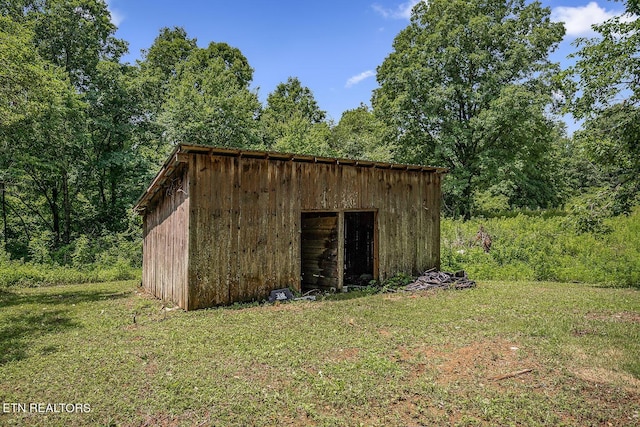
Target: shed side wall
(165, 244)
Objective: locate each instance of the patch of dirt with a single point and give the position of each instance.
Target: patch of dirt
(483, 360)
(385, 333)
(479, 361)
(623, 316)
(151, 368)
(610, 378)
(346, 354)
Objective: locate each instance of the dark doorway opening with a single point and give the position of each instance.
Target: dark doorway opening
(359, 248)
(319, 247)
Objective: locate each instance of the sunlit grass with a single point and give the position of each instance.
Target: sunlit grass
(392, 359)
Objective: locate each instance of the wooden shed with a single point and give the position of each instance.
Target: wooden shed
(225, 225)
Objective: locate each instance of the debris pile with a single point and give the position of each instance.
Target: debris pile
(432, 279)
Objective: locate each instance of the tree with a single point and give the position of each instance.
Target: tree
(157, 71)
(53, 151)
(160, 64)
(41, 114)
(468, 86)
(210, 102)
(360, 135)
(171, 48)
(293, 122)
(113, 168)
(76, 35)
(608, 98)
(23, 74)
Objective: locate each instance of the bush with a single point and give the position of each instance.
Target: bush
(106, 258)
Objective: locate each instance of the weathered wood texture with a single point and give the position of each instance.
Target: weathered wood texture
(165, 244)
(319, 250)
(243, 232)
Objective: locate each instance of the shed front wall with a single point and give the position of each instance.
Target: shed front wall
(165, 244)
(245, 223)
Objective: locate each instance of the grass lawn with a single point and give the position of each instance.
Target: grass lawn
(526, 353)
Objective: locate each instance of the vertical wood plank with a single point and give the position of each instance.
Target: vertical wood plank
(340, 266)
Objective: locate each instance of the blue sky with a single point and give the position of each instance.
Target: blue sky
(332, 46)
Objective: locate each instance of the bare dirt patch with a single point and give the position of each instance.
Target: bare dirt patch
(483, 361)
(610, 378)
(622, 316)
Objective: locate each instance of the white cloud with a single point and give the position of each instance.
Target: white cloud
(116, 17)
(360, 77)
(402, 11)
(578, 20)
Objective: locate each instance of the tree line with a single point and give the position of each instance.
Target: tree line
(468, 85)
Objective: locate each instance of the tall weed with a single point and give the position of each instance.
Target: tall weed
(104, 259)
(526, 247)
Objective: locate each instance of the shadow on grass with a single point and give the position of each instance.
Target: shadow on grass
(17, 332)
(9, 298)
(33, 314)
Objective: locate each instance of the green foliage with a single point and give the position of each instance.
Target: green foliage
(607, 95)
(397, 281)
(591, 211)
(360, 135)
(609, 142)
(31, 274)
(292, 121)
(76, 35)
(209, 101)
(158, 68)
(111, 256)
(67, 163)
(468, 87)
(555, 248)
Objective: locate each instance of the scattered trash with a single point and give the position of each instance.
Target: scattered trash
(280, 295)
(432, 279)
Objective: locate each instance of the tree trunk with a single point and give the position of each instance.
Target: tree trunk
(55, 214)
(66, 204)
(4, 215)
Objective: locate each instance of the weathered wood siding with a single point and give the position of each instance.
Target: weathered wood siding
(245, 223)
(165, 245)
(244, 237)
(407, 205)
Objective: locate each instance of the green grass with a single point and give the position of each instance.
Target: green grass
(400, 359)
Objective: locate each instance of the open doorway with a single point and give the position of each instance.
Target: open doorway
(359, 248)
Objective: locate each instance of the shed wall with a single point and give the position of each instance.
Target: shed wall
(244, 238)
(165, 244)
(244, 234)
